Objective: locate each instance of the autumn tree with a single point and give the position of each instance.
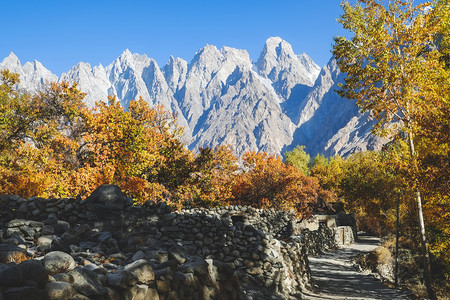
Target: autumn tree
(368, 186)
(126, 148)
(39, 136)
(329, 172)
(395, 70)
(268, 182)
(210, 178)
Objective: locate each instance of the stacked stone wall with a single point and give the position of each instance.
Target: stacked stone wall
(222, 253)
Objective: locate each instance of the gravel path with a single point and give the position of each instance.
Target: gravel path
(335, 277)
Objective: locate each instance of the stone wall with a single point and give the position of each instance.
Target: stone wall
(223, 253)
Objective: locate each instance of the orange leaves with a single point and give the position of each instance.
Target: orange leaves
(124, 147)
(268, 182)
(208, 178)
(61, 148)
(52, 145)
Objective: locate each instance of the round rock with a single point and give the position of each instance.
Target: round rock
(10, 253)
(34, 270)
(58, 262)
(10, 275)
(60, 290)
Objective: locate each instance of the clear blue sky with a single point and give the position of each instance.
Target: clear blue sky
(60, 34)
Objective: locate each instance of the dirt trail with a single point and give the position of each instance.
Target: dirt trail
(335, 277)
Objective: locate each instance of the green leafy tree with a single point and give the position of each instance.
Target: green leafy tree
(299, 159)
(319, 160)
(395, 71)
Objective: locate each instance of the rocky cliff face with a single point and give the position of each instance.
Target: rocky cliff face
(222, 97)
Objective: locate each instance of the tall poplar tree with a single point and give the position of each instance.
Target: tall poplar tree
(395, 70)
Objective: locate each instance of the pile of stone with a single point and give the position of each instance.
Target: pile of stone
(58, 275)
(106, 247)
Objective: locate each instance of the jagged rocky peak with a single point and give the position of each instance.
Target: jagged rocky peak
(175, 73)
(34, 76)
(284, 68)
(125, 56)
(310, 65)
(80, 69)
(128, 62)
(238, 56)
(208, 56)
(246, 115)
(10, 62)
(92, 81)
(221, 97)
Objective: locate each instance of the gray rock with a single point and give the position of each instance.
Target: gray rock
(113, 294)
(34, 270)
(197, 267)
(163, 286)
(122, 279)
(60, 290)
(63, 277)
(87, 283)
(81, 297)
(23, 208)
(104, 236)
(58, 262)
(106, 201)
(141, 292)
(105, 208)
(44, 243)
(24, 292)
(10, 275)
(142, 270)
(17, 239)
(61, 227)
(178, 254)
(165, 273)
(138, 255)
(11, 253)
(17, 223)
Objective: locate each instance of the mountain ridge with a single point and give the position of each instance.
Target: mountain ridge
(222, 97)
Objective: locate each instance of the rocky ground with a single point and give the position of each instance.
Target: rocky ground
(335, 275)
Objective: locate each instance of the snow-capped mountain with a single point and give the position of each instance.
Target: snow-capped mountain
(222, 97)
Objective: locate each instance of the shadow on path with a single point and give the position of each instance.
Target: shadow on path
(335, 277)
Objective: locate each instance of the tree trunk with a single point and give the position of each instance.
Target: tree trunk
(423, 236)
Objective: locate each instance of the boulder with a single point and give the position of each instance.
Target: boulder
(141, 292)
(141, 270)
(58, 262)
(87, 283)
(64, 277)
(11, 253)
(105, 208)
(121, 279)
(10, 275)
(34, 270)
(44, 243)
(197, 267)
(60, 290)
(24, 292)
(178, 254)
